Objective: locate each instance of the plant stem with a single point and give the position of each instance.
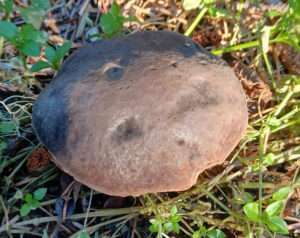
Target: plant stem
(225, 208)
(89, 207)
(1, 46)
(283, 103)
(241, 46)
(264, 136)
(269, 69)
(192, 27)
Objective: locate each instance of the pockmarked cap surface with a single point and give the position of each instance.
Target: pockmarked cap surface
(143, 113)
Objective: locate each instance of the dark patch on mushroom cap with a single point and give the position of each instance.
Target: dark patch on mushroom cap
(144, 113)
(128, 129)
(50, 119)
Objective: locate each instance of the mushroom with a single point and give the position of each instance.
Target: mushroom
(143, 113)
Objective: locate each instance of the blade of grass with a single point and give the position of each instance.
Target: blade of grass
(195, 23)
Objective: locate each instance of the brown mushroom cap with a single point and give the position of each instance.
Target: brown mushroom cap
(144, 113)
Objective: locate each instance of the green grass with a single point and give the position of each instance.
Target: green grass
(249, 196)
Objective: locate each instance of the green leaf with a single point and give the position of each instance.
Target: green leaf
(269, 159)
(200, 233)
(33, 16)
(282, 193)
(168, 227)
(34, 204)
(7, 6)
(111, 25)
(273, 13)
(61, 52)
(197, 234)
(106, 23)
(112, 22)
(40, 193)
(277, 224)
(30, 48)
(42, 37)
(215, 233)
(40, 65)
(176, 228)
(28, 32)
(8, 30)
(174, 210)
(40, 4)
(153, 228)
(175, 219)
(28, 198)
(218, 12)
(191, 4)
(50, 53)
(252, 211)
(155, 224)
(243, 197)
(25, 210)
(83, 234)
(274, 208)
(115, 10)
(273, 122)
(294, 6)
(7, 127)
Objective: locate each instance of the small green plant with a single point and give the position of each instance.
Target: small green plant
(112, 22)
(271, 214)
(6, 6)
(32, 201)
(35, 13)
(54, 57)
(26, 39)
(285, 30)
(288, 28)
(203, 232)
(163, 225)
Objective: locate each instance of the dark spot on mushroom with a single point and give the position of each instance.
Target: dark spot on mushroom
(127, 130)
(201, 96)
(194, 153)
(192, 157)
(114, 73)
(181, 142)
(206, 97)
(175, 64)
